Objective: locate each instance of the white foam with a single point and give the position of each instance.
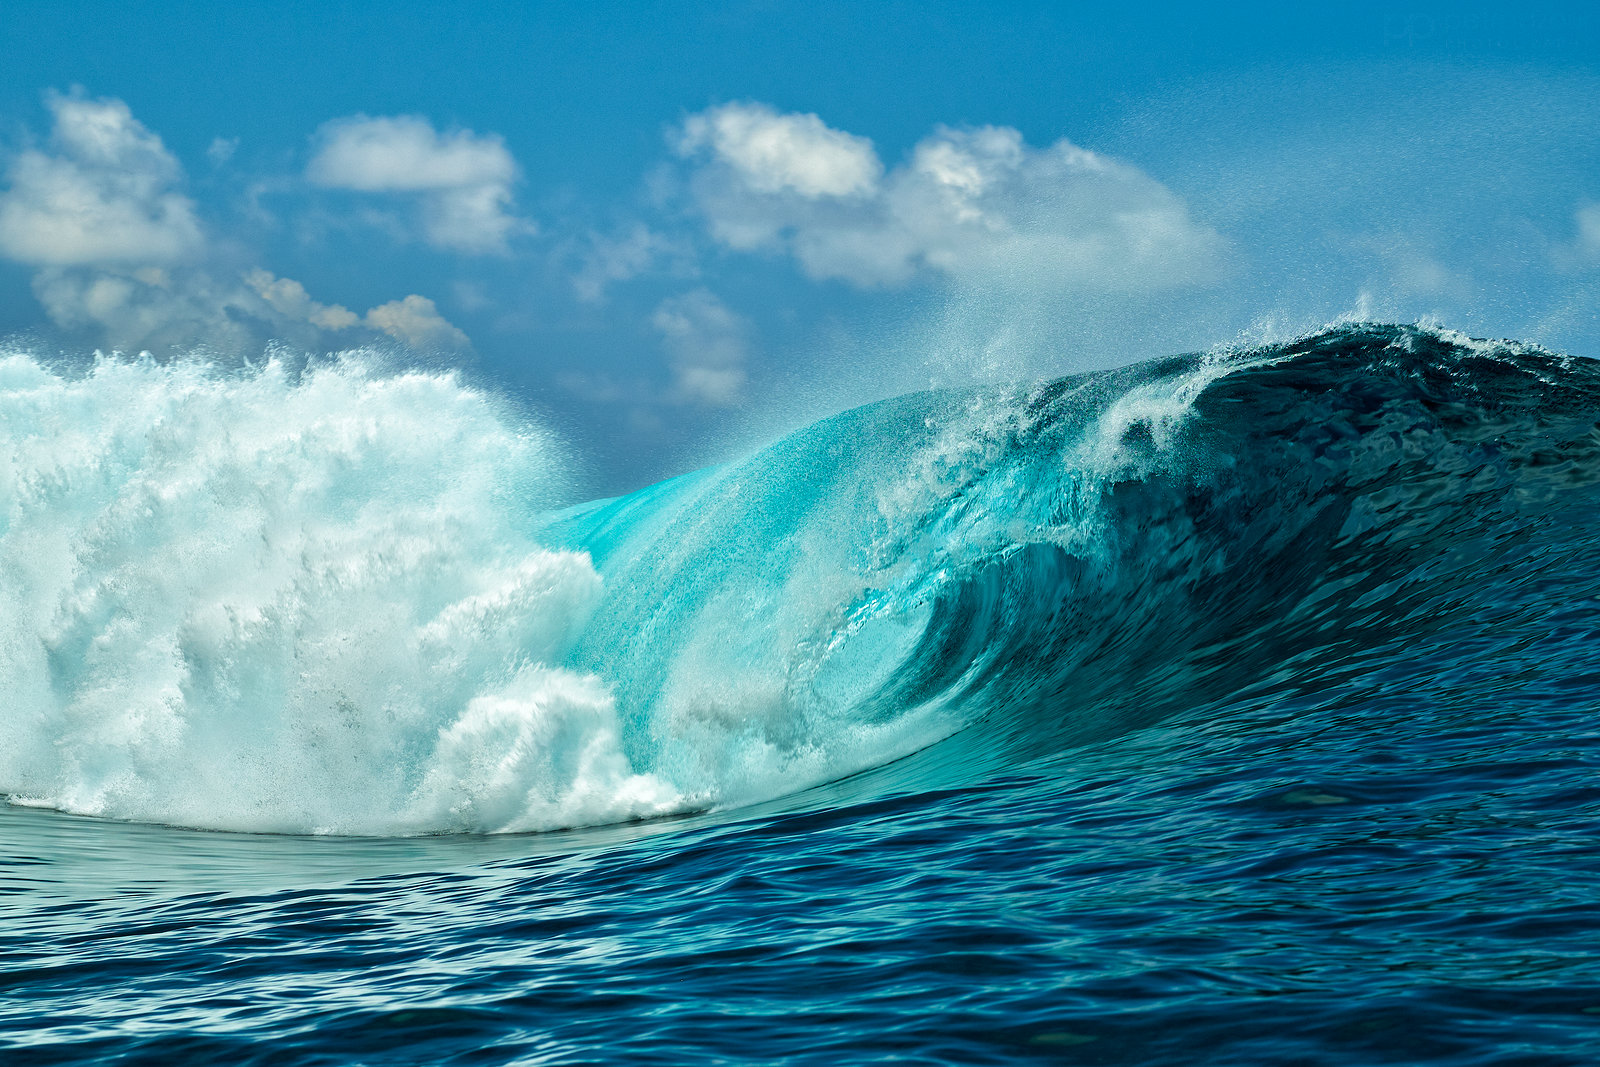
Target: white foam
(299, 602)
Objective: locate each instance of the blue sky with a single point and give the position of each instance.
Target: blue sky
(675, 229)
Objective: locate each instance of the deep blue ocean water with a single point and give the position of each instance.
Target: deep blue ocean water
(1236, 708)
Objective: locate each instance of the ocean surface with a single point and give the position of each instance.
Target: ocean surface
(1234, 708)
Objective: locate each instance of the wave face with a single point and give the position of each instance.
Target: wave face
(338, 601)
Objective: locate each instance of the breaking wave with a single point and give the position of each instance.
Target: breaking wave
(340, 600)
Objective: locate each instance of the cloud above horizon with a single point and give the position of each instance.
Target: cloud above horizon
(120, 253)
(106, 192)
(775, 154)
(414, 321)
(459, 181)
(970, 205)
(1001, 245)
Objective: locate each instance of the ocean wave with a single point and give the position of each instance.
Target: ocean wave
(338, 601)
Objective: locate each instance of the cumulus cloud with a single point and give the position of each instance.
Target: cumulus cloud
(289, 298)
(461, 181)
(416, 322)
(105, 191)
(153, 308)
(708, 348)
(121, 256)
(773, 153)
(970, 205)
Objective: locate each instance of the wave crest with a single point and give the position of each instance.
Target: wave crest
(337, 601)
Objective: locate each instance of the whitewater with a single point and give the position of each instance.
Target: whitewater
(1234, 706)
(339, 601)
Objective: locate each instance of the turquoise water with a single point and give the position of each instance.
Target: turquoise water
(1234, 708)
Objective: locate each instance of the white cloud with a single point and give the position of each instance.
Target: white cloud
(122, 258)
(461, 180)
(289, 298)
(773, 153)
(104, 192)
(971, 205)
(406, 154)
(150, 307)
(707, 345)
(415, 321)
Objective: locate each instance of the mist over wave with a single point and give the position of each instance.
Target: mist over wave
(339, 601)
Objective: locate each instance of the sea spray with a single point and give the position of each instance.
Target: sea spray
(299, 602)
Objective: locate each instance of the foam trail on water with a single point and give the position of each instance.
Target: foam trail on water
(302, 602)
